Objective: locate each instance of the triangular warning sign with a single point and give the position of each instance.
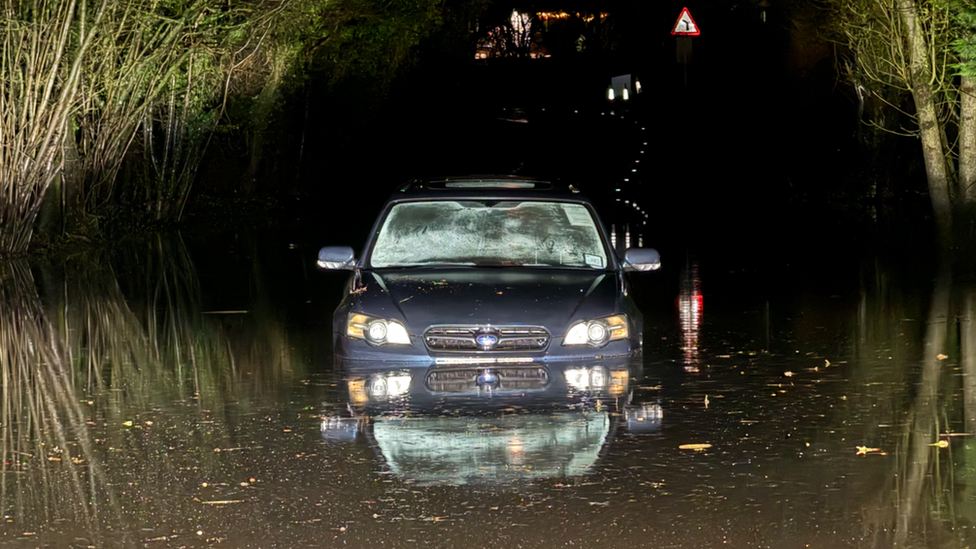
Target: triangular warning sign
(685, 25)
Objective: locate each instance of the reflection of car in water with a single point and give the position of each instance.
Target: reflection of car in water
(476, 270)
(486, 424)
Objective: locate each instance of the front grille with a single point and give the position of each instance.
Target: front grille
(465, 338)
(505, 379)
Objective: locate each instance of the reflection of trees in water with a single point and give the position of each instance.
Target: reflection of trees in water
(87, 372)
(910, 355)
(147, 332)
(47, 469)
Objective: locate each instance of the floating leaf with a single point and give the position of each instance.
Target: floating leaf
(864, 450)
(941, 356)
(695, 447)
(941, 444)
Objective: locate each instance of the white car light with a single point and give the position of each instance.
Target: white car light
(396, 333)
(376, 331)
(597, 332)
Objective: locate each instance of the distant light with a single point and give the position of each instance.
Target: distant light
(636, 161)
(633, 170)
(626, 201)
(637, 86)
(610, 96)
(617, 190)
(625, 95)
(625, 179)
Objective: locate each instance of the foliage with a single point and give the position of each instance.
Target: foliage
(116, 103)
(917, 49)
(964, 16)
(507, 33)
(44, 45)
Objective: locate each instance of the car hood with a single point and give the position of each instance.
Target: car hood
(550, 298)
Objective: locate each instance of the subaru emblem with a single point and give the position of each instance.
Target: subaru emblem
(486, 340)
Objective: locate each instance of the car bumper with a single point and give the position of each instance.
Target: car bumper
(358, 351)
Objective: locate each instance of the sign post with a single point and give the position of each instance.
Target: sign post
(684, 28)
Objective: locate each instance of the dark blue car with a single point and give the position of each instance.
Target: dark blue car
(487, 270)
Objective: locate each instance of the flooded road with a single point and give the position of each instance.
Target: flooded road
(171, 396)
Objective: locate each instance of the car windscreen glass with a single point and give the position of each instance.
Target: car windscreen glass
(489, 233)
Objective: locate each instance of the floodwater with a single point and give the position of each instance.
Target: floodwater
(795, 391)
(176, 395)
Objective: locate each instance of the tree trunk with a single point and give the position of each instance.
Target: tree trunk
(928, 122)
(966, 194)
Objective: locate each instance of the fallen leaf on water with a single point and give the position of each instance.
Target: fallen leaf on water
(864, 450)
(941, 444)
(695, 447)
(788, 374)
(956, 435)
(826, 362)
(127, 423)
(222, 501)
(706, 402)
(941, 356)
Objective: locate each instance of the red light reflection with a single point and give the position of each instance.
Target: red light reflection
(690, 314)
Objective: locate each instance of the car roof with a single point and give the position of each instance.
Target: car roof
(486, 186)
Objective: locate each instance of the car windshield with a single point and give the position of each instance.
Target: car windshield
(489, 233)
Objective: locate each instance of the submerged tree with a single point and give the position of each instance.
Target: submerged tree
(922, 49)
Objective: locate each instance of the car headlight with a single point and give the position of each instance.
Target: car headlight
(376, 331)
(597, 332)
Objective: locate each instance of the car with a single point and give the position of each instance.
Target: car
(486, 270)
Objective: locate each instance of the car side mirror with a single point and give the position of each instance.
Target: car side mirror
(337, 258)
(642, 259)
